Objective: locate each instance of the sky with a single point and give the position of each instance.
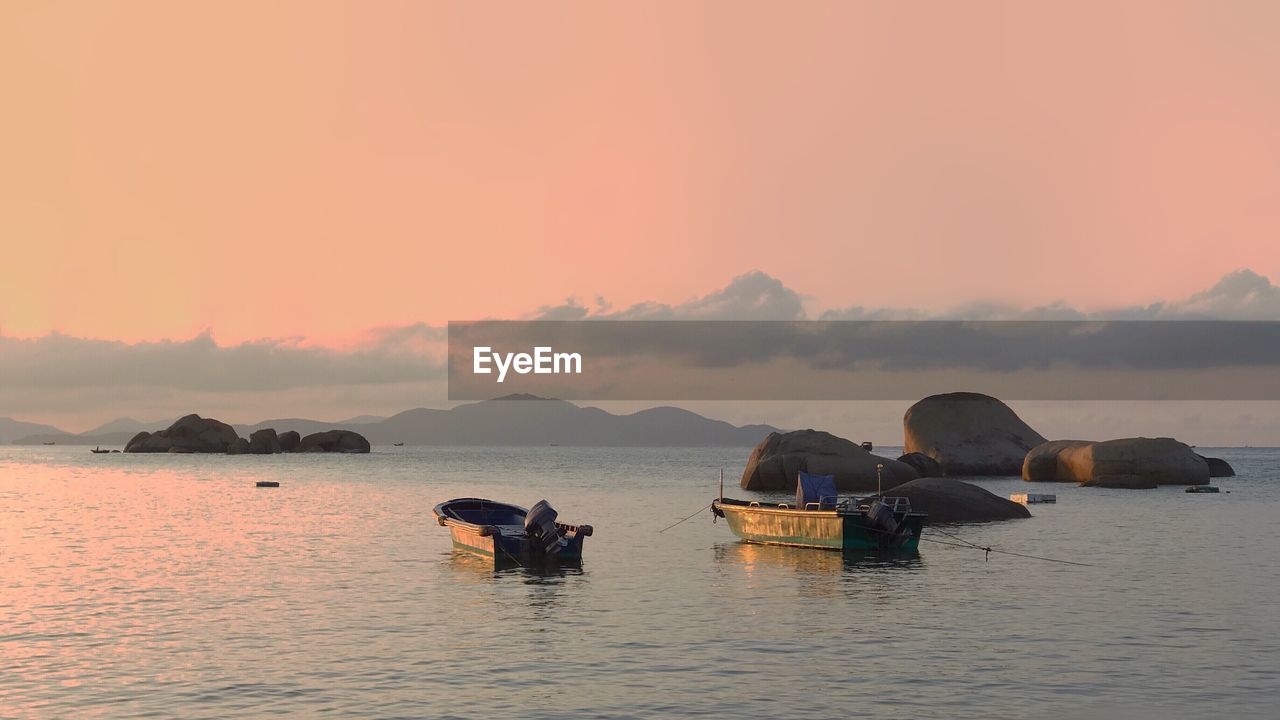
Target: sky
(339, 178)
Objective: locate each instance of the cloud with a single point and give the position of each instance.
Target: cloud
(751, 296)
(1240, 295)
(200, 364)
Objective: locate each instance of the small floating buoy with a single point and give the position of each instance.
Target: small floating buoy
(268, 483)
(1029, 498)
(1202, 489)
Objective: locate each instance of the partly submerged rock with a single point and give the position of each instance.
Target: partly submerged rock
(1219, 467)
(191, 433)
(345, 441)
(264, 442)
(1135, 463)
(777, 461)
(924, 465)
(968, 434)
(239, 447)
(952, 501)
(1041, 462)
(289, 440)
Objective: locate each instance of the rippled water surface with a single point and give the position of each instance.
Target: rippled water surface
(170, 586)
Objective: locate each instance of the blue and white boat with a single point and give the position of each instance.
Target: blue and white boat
(510, 533)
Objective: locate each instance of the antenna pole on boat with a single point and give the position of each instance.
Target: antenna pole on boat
(721, 484)
(879, 467)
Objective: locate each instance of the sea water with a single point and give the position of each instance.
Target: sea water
(171, 586)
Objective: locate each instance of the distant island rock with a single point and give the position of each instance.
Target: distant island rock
(952, 501)
(344, 441)
(194, 434)
(968, 434)
(777, 461)
(264, 442)
(289, 440)
(1134, 463)
(190, 433)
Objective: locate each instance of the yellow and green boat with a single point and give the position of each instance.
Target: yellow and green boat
(821, 519)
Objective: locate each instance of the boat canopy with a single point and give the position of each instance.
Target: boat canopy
(815, 489)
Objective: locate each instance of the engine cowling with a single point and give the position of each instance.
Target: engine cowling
(540, 527)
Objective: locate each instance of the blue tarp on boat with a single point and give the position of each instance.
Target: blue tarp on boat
(815, 489)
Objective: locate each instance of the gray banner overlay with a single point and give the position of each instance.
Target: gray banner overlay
(865, 360)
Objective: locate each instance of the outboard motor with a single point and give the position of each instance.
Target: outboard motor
(880, 519)
(540, 527)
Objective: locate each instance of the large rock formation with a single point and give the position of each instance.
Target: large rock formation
(777, 461)
(1137, 463)
(239, 447)
(191, 433)
(264, 442)
(925, 466)
(289, 440)
(1041, 462)
(1219, 467)
(953, 501)
(344, 441)
(968, 434)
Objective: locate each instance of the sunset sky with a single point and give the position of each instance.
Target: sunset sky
(310, 172)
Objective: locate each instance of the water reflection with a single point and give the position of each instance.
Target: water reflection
(821, 574)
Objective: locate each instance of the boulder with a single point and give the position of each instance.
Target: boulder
(239, 447)
(264, 442)
(191, 433)
(777, 461)
(344, 441)
(1135, 463)
(925, 466)
(289, 440)
(1219, 467)
(968, 434)
(953, 501)
(1041, 463)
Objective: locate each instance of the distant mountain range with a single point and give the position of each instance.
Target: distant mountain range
(510, 420)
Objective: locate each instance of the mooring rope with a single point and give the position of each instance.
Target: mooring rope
(988, 549)
(690, 517)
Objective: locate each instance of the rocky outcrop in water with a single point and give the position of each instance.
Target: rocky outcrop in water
(264, 442)
(777, 461)
(289, 440)
(1219, 468)
(952, 501)
(239, 447)
(191, 433)
(343, 441)
(968, 434)
(925, 466)
(1134, 463)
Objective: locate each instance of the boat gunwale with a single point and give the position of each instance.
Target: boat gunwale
(726, 504)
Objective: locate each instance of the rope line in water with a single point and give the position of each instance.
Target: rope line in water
(988, 550)
(685, 519)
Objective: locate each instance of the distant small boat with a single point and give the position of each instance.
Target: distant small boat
(398, 444)
(1202, 489)
(821, 519)
(49, 443)
(98, 450)
(267, 483)
(510, 533)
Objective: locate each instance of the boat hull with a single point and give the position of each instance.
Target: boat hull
(821, 529)
(497, 530)
(507, 547)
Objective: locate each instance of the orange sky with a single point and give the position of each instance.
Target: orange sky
(319, 168)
